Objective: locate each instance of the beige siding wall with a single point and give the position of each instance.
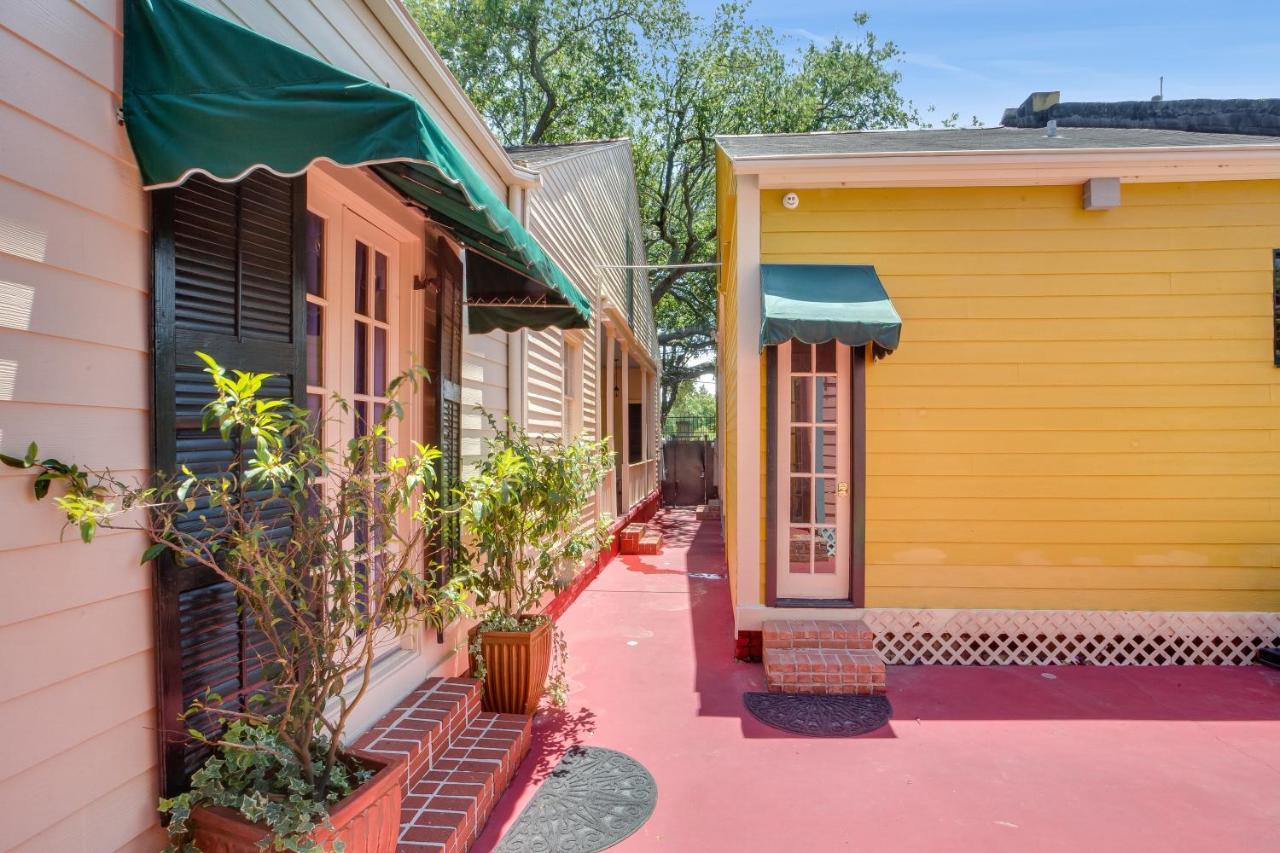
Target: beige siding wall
(77, 721)
(583, 214)
(77, 744)
(484, 387)
(544, 388)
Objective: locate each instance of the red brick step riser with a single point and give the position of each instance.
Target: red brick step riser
(637, 538)
(817, 634)
(835, 656)
(460, 760)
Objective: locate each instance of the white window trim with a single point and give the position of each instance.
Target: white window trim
(573, 388)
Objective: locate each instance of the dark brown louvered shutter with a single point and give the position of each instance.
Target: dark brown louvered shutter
(227, 282)
(450, 382)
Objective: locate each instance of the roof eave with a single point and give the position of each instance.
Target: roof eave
(573, 150)
(422, 54)
(613, 315)
(1012, 166)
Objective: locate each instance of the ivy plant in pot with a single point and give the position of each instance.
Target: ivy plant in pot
(524, 518)
(355, 564)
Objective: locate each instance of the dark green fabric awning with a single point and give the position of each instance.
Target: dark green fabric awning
(204, 95)
(816, 303)
(499, 294)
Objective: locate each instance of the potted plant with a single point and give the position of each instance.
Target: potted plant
(523, 513)
(364, 524)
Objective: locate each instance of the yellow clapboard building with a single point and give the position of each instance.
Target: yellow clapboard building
(1010, 394)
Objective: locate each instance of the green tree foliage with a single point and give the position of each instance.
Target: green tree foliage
(560, 70)
(522, 510)
(692, 413)
(693, 402)
(544, 70)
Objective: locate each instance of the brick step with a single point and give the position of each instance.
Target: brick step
(445, 810)
(650, 543)
(818, 634)
(848, 671)
(637, 538)
(459, 760)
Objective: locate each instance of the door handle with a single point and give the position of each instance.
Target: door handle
(842, 489)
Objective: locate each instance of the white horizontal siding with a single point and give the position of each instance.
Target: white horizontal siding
(484, 390)
(583, 215)
(77, 719)
(78, 764)
(544, 388)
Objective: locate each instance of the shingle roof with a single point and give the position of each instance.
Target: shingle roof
(975, 139)
(537, 155)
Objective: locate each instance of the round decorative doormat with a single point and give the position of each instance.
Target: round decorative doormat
(819, 715)
(592, 800)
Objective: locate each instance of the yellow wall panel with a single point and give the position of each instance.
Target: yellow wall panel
(1083, 412)
(775, 220)
(1016, 559)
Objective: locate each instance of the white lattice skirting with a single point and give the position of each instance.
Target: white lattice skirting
(1100, 637)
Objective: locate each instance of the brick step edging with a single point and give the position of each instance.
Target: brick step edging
(838, 671)
(459, 761)
(817, 634)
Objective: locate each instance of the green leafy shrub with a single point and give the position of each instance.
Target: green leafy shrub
(256, 774)
(524, 514)
(361, 562)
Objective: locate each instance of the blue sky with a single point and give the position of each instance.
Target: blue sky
(978, 57)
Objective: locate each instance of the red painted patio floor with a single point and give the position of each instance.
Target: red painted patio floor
(984, 759)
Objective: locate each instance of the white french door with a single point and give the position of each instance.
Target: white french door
(813, 471)
(354, 294)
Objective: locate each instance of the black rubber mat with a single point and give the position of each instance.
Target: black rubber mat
(592, 800)
(819, 716)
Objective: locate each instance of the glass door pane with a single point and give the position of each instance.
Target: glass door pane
(811, 389)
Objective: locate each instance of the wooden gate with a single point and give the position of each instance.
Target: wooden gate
(689, 465)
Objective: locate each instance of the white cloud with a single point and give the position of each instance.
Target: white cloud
(936, 63)
(820, 39)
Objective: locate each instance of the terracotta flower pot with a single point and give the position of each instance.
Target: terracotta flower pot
(516, 664)
(367, 820)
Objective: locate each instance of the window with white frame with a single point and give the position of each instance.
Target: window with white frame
(571, 382)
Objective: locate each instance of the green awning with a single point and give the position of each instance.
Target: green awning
(500, 295)
(816, 303)
(204, 95)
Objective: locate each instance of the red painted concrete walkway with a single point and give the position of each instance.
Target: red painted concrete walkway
(976, 759)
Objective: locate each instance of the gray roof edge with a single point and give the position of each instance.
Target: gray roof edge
(986, 141)
(1272, 145)
(560, 151)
